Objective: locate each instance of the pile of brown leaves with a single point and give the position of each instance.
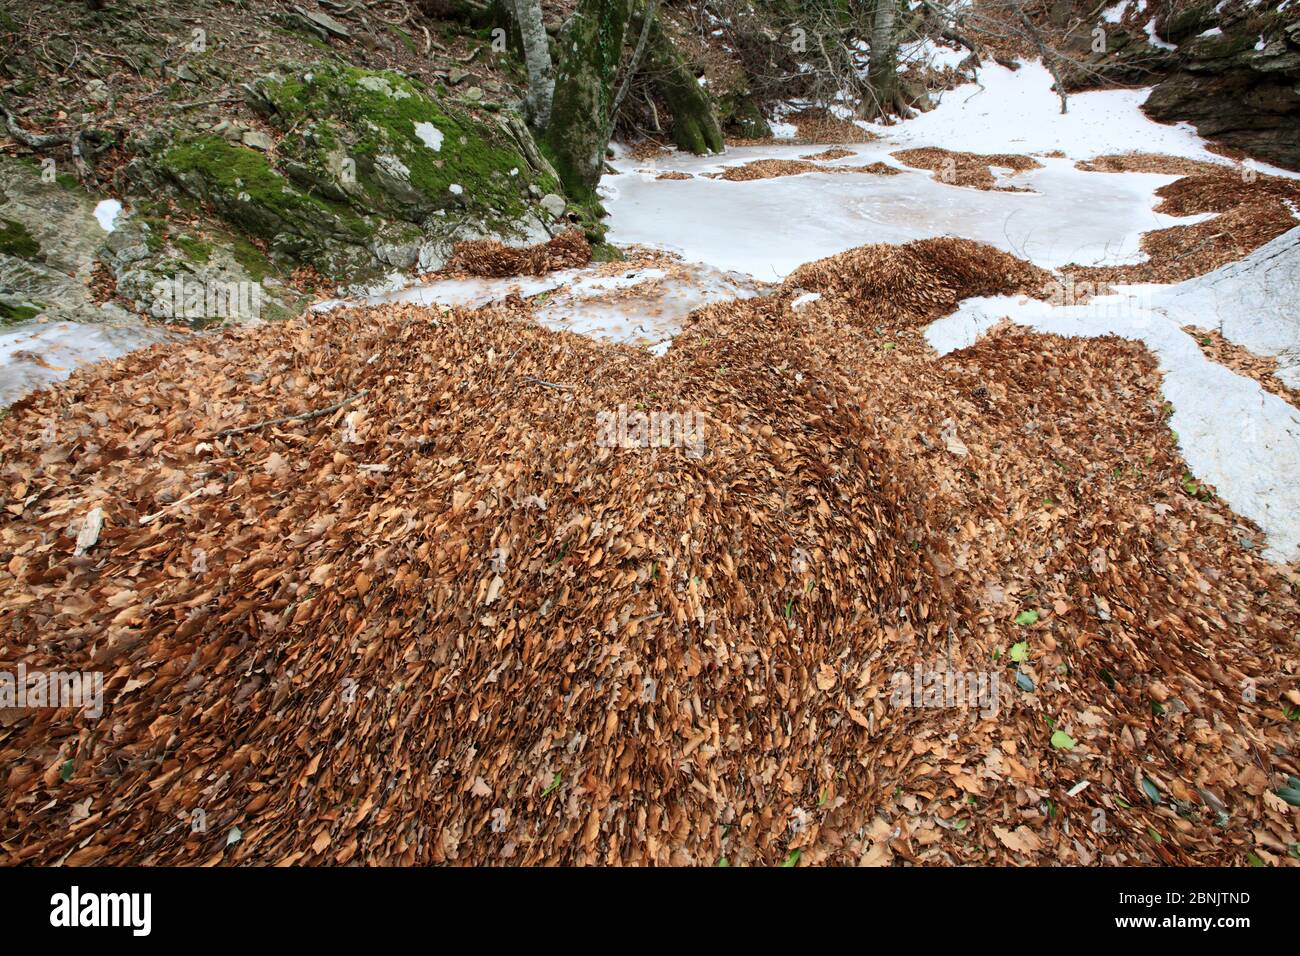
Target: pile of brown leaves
(915, 283)
(1250, 209)
(774, 168)
(444, 622)
(487, 257)
(1262, 368)
(813, 126)
(674, 174)
(966, 169)
(835, 152)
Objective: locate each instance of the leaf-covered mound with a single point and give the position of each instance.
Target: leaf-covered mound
(463, 615)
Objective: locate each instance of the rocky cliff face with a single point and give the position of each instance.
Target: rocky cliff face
(1237, 78)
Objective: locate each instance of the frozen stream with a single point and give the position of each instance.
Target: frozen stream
(770, 227)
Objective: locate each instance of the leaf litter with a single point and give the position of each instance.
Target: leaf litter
(445, 624)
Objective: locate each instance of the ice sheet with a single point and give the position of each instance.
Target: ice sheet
(769, 227)
(36, 354)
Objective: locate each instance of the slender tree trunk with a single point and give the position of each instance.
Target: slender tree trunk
(882, 68)
(647, 21)
(537, 58)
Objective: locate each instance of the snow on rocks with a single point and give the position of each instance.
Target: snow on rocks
(430, 135)
(107, 212)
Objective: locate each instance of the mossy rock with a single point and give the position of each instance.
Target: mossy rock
(386, 145)
(740, 115)
(11, 313)
(372, 172)
(15, 240)
(240, 184)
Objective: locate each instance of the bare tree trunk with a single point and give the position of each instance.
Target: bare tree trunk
(537, 58)
(882, 69)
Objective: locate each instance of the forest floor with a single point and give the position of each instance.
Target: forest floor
(808, 551)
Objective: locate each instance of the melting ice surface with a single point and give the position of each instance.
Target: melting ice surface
(36, 354)
(768, 227)
(637, 306)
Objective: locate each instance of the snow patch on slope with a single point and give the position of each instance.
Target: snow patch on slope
(37, 354)
(1233, 434)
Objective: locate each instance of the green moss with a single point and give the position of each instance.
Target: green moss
(740, 114)
(406, 39)
(13, 314)
(15, 240)
(197, 250)
(253, 196)
(372, 117)
(592, 46)
(695, 124)
(253, 260)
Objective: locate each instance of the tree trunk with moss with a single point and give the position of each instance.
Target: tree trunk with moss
(591, 49)
(695, 122)
(537, 58)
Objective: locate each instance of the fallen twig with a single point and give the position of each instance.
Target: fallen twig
(290, 418)
(537, 381)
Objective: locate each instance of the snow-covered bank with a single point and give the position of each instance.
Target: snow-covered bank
(1016, 111)
(35, 354)
(1233, 434)
(634, 305)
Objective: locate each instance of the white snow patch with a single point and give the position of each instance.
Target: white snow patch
(1154, 39)
(1233, 434)
(930, 53)
(36, 354)
(107, 212)
(1017, 112)
(1116, 13)
(430, 135)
